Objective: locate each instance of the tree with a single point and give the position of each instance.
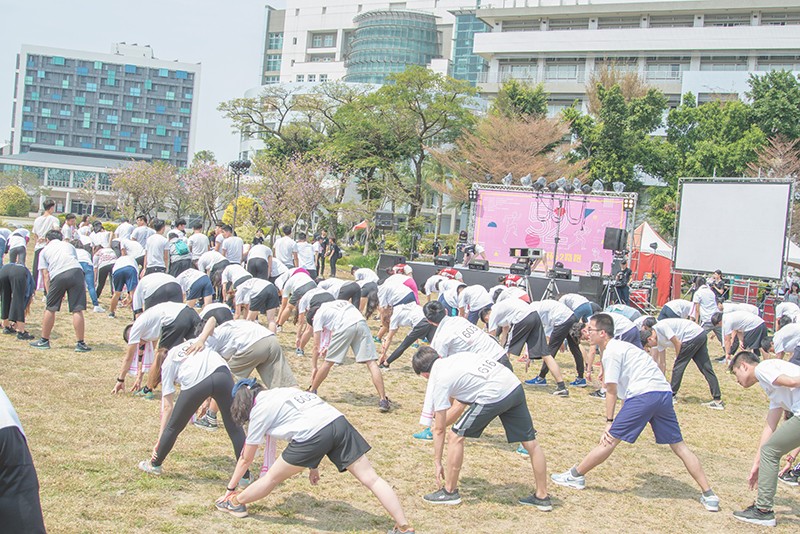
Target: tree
(608, 75)
(204, 156)
(143, 187)
(14, 201)
(780, 158)
(25, 180)
(776, 103)
(209, 187)
(519, 99)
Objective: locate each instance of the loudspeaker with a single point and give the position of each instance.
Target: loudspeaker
(560, 273)
(444, 260)
(615, 239)
(591, 287)
(596, 269)
(384, 220)
(520, 268)
(389, 260)
(478, 265)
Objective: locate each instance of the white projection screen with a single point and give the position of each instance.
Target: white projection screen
(735, 225)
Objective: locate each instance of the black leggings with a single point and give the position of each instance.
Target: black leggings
(218, 386)
(13, 286)
(19, 487)
(102, 275)
(560, 333)
(422, 329)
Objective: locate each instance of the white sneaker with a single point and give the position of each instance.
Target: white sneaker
(566, 479)
(715, 405)
(99, 309)
(711, 502)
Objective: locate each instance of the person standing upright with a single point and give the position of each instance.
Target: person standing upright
(285, 249)
(43, 224)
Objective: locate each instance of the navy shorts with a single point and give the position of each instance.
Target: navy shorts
(201, 288)
(667, 313)
(654, 408)
(584, 311)
(632, 336)
(125, 278)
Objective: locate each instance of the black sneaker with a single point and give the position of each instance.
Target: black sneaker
(41, 344)
(80, 346)
(789, 478)
(238, 510)
(720, 359)
(25, 336)
(9, 331)
(443, 497)
(598, 394)
(753, 515)
(545, 505)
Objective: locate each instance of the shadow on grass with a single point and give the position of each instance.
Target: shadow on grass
(303, 510)
(659, 486)
(474, 489)
(357, 399)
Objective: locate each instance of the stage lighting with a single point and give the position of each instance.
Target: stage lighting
(473, 195)
(487, 178)
(507, 179)
(619, 187)
(568, 187)
(552, 186)
(586, 189)
(540, 184)
(576, 184)
(526, 180)
(597, 186)
(561, 182)
(628, 204)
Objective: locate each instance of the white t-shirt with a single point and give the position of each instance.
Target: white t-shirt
(234, 272)
(218, 239)
(683, 329)
(69, 232)
(305, 255)
(456, 334)
(473, 298)
(621, 324)
(83, 255)
(552, 313)
(779, 396)
(705, 298)
(305, 301)
(289, 414)
(682, 308)
(232, 249)
(123, 231)
(787, 308)
(406, 315)
(17, 239)
(234, 337)
(284, 249)
(573, 300)
(124, 261)
(333, 285)
(295, 282)
(336, 315)
(211, 307)
(8, 415)
(633, 370)
(58, 256)
(390, 293)
(188, 371)
(131, 248)
(740, 321)
(507, 313)
(208, 259)
(259, 251)
(250, 288)
(728, 307)
(148, 285)
(364, 276)
(42, 225)
(511, 293)
(449, 291)
(469, 378)
(198, 244)
(141, 234)
(147, 327)
(104, 256)
(430, 284)
(154, 248)
(189, 277)
(101, 239)
(316, 247)
(4, 233)
(787, 338)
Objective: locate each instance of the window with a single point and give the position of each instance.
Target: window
(321, 58)
(323, 40)
(726, 20)
(518, 69)
(269, 80)
(273, 62)
(529, 25)
(564, 69)
(323, 78)
(568, 24)
(57, 60)
(324, 10)
(723, 63)
(300, 78)
(607, 23)
(780, 19)
(275, 41)
(130, 69)
(312, 78)
(778, 63)
(671, 21)
(58, 177)
(665, 68)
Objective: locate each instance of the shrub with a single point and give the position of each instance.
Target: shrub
(14, 201)
(110, 226)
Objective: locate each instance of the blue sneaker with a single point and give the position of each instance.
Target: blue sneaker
(523, 451)
(578, 383)
(537, 381)
(425, 434)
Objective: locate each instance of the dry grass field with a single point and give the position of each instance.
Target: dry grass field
(86, 444)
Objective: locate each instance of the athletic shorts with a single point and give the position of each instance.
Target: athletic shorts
(357, 337)
(667, 313)
(169, 292)
(352, 292)
(200, 288)
(528, 331)
(300, 291)
(125, 278)
(654, 408)
(512, 411)
(337, 440)
(179, 330)
(368, 288)
(73, 284)
(221, 315)
(258, 267)
(156, 269)
(267, 299)
(632, 336)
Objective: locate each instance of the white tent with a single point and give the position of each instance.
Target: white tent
(644, 236)
(793, 255)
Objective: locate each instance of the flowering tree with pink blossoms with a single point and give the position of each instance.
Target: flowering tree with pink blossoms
(144, 187)
(209, 187)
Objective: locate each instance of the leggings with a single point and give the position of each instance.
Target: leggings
(561, 333)
(88, 275)
(217, 385)
(102, 275)
(422, 329)
(17, 255)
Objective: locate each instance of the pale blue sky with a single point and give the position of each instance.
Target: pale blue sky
(224, 35)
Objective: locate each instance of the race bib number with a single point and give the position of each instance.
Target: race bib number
(469, 334)
(484, 368)
(304, 401)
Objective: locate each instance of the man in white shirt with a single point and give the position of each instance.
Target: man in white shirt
(787, 309)
(69, 231)
(339, 326)
(368, 280)
(285, 249)
(156, 249)
(405, 315)
(632, 376)
(676, 309)
(780, 380)
(142, 232)
(62, 274)
(124, 230)
(41, 225)
(705, 305)
(259, 261)
(740, 330)
(305, 255)
(232, 246)
(488, 390)
(198, 243)
(785, 340)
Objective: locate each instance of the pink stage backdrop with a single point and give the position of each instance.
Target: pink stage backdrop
(506, 219)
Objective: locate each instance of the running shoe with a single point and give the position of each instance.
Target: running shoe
(150, 395)
(578, 383)
(25, 336)
(561, 392)
(9, 331)
(536, 381)
(41, 344)
(415, 345)
(206, 423)
(99, 309)
(112, 314)
(566, 479)
(711, 502)
(148, 467)
(244, 482)
(383, 365)
(753, 515)
(598, 394)
(522, 451)
(545, 505)
(399, 530)
(715, 405)
(384, 405)
(81, 346)
(424, 434)
(376, 339)
(443, 496)
(238, 510)
(299, 352)
(789, 478)
(720, 359)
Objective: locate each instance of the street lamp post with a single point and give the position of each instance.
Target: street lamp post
(238, 168)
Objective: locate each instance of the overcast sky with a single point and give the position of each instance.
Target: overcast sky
(224, 35)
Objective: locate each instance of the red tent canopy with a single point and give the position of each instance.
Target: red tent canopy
(645, 262)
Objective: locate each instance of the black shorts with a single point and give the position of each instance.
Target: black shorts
(352, 292)
(179, 330)
(368, 288)
(267, 299)
(73, 284)
(217, 269)
(528, 331)
(178, 266)
(239, 281)
(156, 269)
(338, 440)
(221, 315)
(300, 291)
(258, 267)
(20, 508)
(512, 411)
(169, 292)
